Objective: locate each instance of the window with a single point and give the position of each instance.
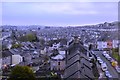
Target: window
(58, 63)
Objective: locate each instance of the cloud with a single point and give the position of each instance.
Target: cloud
(0, 13)
(59, 13)
(59, 8)
(59, 0)
(82, 8)
(64, 8)
(52, 8)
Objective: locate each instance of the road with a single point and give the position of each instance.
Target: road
(112, 71)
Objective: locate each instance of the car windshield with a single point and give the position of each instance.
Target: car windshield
(118, 69)
(107, 72)
(104, 68)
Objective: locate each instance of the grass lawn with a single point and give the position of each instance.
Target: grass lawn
(116, 56)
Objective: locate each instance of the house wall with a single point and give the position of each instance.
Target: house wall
(6, 60)
(115, 43)
(0, 63)
(109, 44)
(102, 44)
(60, 65)
(99, 45)
(42, 52)
(57, 65)
(16, 59)
(28, 58)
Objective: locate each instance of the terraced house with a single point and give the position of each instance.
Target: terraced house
(77, 62)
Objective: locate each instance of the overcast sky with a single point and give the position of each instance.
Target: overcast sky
(58, 13)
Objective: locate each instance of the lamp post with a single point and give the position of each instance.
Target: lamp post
(119, 55)
(119, 49)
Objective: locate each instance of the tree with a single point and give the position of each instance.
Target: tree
(94, 68)
(42, 41)
(29, 37)
(21, 72)
(16, 46)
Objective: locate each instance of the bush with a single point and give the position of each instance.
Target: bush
(21, 72)
(116, 56)
(115, 50)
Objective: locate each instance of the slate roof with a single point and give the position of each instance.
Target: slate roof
(77, 46)
(6, 53)
(77, 63)
(14, 51)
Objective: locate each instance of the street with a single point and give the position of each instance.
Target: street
(111, 69)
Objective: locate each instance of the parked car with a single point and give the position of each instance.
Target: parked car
(33, 57)
(108, 58)
(104, 66)
(118, 69)
(107, 74)
(101, 76)
(106, 55)
(114, 63)
(101, 61)
(98, 58)
(104, 52)
(96, 55)
(112, 60)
